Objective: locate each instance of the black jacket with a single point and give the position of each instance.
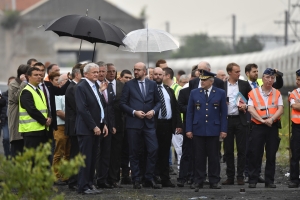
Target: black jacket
(3, 108)
(70, 110)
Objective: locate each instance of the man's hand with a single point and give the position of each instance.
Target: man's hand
(189, 135)
(97, 130)
(223, 135)
(269, 122)
(23, 77)
(178, 130)
(114, 130)
(150, 114)
(243, 108)
(139, 114)
(48, 122)
(105, 131)
(103, 86)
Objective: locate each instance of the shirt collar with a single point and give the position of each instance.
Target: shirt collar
(209, 89)
(113, 82)
(33, 85)
(234, 83)
(90, 82)
(298, 90)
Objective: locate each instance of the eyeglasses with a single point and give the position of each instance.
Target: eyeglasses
(137, 70)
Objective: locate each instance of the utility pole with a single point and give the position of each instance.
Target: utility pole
(286, 23)
(233, 32)
(168, 26)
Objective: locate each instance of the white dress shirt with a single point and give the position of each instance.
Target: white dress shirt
(167, 102)
(232, 91)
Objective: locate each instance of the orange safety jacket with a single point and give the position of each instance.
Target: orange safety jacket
(264, 111)
(295, 115)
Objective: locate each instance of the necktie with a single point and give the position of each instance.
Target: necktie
(46, 95)
(206, 94)
(254, 84)
(143, 89)
(163, 108)
(110, 92)
(99, 102)
(105, 96)
(37, 91)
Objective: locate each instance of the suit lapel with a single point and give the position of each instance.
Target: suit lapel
(92, 92)
(202, 93)
(147, 87)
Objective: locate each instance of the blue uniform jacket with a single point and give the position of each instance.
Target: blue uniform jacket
(207, 118)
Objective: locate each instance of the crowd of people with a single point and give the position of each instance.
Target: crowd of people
(125, 124)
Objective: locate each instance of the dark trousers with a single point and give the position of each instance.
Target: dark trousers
(206, 148)
(164, 138)
(263, 136)
(88, 147)
(134, 138)
(73, 152)
(16, 147)
(33, 141)
(103, 158)
(115, 154)
(295, 149)
(236, 130)
(125, 156)
(186, 171)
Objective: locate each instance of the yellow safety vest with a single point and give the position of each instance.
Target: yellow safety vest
(176, 89)
(26, 122)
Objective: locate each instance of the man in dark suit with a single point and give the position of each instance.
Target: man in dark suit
(206, 122)
(140, 101)
(34, 117)
(70, 119)
(237, 124)
(186, 162)
(196, 82)
(114, 90)
(90, 124)
(167, 121)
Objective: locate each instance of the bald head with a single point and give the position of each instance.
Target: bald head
(158, 74)
(204, 65)
(157, 70)
(221, 75)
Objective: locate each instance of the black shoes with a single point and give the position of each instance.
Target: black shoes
(105, 185)
(116, 185)
(126, 180)
(198, 186)
(157, 179)
(151, 184)
(60, 182)
(137, 185)
(167, 183)
(180, 183)
(270, 185)
(88, 191)
(293, 185)
(215, 186)
(73, 187)
(228, 182)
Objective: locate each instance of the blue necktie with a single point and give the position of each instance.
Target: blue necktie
(254, 84)
(143, 89)
(99, 102)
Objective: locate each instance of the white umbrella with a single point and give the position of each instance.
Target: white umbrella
(149, 40)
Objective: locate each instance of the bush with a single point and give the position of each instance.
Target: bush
(21, 179)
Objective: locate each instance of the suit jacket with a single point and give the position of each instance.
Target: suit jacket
(193, 84)
(207, 118)
(132, 99)
(176, 118)
(70, 110)
(244, 88)
(183, 100)
(119, 117)
(88, 110)
(55, 91)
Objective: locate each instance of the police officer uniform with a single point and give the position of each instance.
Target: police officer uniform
(294, 98)
(206, 118)
(263, 136)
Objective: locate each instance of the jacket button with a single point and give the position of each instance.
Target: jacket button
(206, 109)
(206, 121)
(206, 115)
(206, 103)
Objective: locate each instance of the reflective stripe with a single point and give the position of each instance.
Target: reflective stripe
(26, 121)
(25, 113)
(295, 94)
(296, 116)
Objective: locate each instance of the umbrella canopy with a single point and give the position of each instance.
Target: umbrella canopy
(149, 40)
(87, 28)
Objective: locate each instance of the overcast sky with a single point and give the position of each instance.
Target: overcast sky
(212, 16)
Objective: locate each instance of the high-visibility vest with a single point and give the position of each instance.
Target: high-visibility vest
(259, 82)
(26, 122)
(295, 115)
(261, 108)
(176, 89)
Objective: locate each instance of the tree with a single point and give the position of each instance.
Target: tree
(200, 45)
(251, 44)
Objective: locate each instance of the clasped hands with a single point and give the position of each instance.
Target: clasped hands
(140, 114)
(97, 131)
(268, 121)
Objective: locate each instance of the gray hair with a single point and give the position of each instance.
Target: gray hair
(183, 77)
(60, 79)
(87, 68)
(75, 71)
(211, 79)
(101, 64)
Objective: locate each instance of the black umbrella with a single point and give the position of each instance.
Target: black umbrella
(87, 28)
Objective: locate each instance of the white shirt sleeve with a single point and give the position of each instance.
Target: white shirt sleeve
(280, 101)
(58, 103)
(250, 102)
